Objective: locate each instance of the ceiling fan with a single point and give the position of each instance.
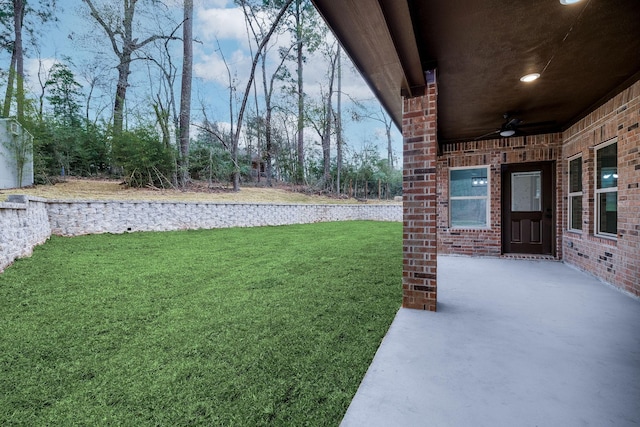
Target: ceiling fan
(512, 126)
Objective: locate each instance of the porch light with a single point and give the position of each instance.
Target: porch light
(530, 77)
(507, 132)
(566, 2)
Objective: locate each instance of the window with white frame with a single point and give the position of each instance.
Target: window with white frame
(469, 202)
(606, 189)
(575, 193)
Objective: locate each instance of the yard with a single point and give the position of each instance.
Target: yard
(258, 326)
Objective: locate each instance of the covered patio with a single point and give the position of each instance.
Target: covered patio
(520, 124)
(515, 342)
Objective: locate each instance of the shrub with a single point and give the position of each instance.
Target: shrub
(144, 160)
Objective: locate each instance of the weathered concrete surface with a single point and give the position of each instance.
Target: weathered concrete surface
(514, 343)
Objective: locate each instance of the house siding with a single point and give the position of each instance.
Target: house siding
(616, 261)
(493, 153)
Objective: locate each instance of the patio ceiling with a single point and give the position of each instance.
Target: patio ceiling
(585, 52)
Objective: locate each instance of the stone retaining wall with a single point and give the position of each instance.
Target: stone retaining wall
(72, 218)
(26, 222)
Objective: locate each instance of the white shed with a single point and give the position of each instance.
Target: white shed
(16, 155)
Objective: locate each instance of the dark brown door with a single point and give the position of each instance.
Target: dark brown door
(527, 208)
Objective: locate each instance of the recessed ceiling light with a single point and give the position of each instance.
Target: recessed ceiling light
(565, 2)
(530, 77)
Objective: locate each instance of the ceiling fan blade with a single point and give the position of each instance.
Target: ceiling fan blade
(495, 132)
(512, 122)
(538, 124)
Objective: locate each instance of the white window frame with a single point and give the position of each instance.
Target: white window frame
(487, 198)
(597, 191)
(571, 195)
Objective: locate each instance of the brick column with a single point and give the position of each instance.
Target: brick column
(419, 240)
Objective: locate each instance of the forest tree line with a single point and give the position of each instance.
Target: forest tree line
(85, 121)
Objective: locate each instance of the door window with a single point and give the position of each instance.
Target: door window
(526, 191)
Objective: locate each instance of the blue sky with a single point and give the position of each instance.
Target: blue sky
(219, 26)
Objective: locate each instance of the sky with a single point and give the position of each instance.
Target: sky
(220, 32)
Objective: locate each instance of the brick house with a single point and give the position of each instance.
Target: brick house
(520, 123)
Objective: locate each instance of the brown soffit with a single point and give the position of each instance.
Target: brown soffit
(375, 35)
(585, 52)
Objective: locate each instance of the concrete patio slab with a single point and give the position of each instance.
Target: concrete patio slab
(514, 343)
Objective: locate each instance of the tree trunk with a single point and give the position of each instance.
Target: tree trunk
(18, 12)
(339, 121)
(300, 171)
(185, 96)
(269, 147)
(267, 119)
(6, 108)
(389, 148)
(326, 134)
(121, 93)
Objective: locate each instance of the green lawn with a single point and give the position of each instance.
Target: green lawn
(237, 327)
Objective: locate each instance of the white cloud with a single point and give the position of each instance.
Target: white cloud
(212, 3)
(34, 66)
(221, 23)
(316, 76)
(211, 67)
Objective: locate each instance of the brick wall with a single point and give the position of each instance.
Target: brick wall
(616, 261)
(419, 288)
(493, 153)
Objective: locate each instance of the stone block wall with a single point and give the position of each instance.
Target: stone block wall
(72, 218)
(27, 221)
(24, 223)
(615, 260)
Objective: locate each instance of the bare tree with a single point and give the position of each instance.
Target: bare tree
(185, 96)
(43, 77)
(300, 81)
(95, 79)
(269, 107)
(381, 117)
(119, 30)
(339, 123)
(268, 83)
(303, 26)
(16, 69)
(322, 117)
(18, 15)
(19, 11)
(164, 103)
(326, 135)
(247, 91)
